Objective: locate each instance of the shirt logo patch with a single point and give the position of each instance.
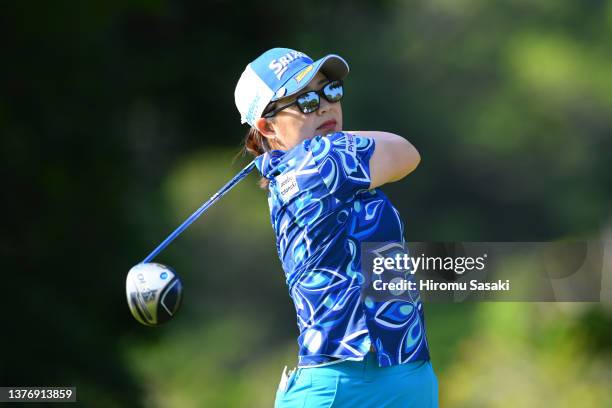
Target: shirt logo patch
(350, 144)
(287, 185)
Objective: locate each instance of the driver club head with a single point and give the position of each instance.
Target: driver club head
(154, 293)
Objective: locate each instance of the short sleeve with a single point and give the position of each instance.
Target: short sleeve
(343, 161)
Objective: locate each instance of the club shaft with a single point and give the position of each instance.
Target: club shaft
(243, 173)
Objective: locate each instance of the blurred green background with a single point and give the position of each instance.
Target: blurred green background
(117, 120)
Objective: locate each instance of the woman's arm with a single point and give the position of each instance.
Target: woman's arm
(393, 159)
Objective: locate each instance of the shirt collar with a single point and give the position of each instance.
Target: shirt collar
(267, 163)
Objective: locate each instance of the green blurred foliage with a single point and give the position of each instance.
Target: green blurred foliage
(117, 121)
(527, 355)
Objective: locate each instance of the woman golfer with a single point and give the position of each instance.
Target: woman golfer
(324, 200)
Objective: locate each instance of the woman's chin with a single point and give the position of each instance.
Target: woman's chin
(327, 130)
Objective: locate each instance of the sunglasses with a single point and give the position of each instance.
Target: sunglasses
(310, 101)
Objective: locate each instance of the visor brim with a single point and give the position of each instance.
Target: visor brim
(332, 66)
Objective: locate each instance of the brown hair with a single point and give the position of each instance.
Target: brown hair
(255, 144)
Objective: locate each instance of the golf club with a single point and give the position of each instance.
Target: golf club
(155, 291)
(243, 173)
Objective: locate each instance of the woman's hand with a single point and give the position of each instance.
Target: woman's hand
(393, 159)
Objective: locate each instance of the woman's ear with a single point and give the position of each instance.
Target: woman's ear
(265, 127)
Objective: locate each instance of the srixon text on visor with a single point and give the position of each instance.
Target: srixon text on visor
(280, 65)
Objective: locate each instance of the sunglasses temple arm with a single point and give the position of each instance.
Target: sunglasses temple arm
(280, 108)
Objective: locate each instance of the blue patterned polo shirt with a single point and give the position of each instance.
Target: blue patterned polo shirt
(322, 209)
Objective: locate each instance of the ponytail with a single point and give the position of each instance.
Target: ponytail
(255, 144)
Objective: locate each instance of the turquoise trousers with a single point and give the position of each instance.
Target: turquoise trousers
(361, 384)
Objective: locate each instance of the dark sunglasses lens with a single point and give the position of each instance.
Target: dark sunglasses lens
(309, 102)
(334, 91)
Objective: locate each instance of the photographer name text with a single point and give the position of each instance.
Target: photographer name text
(430, 285)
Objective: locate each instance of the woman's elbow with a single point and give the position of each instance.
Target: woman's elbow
(415, 158)
(408, 160)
